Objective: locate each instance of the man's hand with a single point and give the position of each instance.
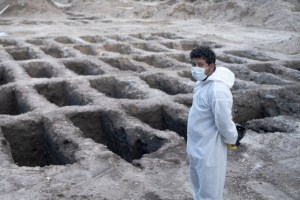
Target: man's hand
(231, 147)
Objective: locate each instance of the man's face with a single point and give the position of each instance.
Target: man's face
(200, 62)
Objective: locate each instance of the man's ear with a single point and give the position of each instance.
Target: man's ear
(212, 67)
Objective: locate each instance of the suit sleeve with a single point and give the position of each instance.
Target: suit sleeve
(222, 107)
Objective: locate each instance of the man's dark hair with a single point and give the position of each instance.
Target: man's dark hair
(204, 52)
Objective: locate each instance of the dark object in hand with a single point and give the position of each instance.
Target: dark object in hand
(241, 133)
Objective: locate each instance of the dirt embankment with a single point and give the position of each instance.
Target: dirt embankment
(29, 8)
(278, 15)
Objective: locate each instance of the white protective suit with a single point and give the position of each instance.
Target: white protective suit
(210, 128)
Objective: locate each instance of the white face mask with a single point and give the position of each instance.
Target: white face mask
(198, 73)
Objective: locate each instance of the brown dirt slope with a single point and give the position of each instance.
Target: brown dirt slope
(277, 15)
(19, 8)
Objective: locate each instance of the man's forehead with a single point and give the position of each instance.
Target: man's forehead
(198, 60)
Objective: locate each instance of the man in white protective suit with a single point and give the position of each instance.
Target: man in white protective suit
(210, 126)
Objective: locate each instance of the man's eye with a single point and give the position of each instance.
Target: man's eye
(193, 64)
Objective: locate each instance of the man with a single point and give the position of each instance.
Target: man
(210, 126)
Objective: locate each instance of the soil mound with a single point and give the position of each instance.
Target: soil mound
(278, 15)
(39, 8)
(281, 15)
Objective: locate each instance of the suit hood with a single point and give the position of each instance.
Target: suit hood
(224, 75)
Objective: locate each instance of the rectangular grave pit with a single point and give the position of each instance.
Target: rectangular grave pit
(109, 129)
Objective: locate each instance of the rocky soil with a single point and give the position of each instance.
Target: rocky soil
(94, 97)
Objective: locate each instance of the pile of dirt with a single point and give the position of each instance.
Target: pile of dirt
(278, 15)
(103, 8)
(32, 8)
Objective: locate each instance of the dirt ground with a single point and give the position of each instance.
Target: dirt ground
(94, 97)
